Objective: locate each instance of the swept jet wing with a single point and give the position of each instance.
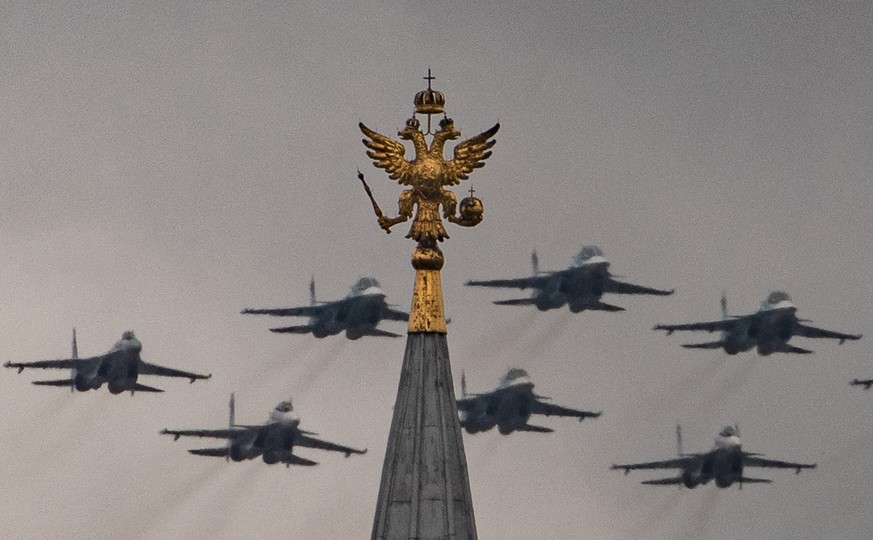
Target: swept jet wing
(750, 460)
(151, 369)
(312, 442)
(812, 332)
(675, 463)
(713, 326)
(549, 409)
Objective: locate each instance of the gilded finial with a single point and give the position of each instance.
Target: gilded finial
(428, 201)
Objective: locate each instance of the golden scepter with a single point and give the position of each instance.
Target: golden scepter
(379, 213)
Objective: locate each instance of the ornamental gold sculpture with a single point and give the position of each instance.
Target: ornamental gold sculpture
(427, 175)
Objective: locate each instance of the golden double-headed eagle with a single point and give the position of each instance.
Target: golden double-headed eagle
(428, 174)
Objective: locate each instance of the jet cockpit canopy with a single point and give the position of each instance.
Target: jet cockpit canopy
(589, 255)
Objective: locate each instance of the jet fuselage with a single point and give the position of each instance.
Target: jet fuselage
(509, 410)
(579, 287)
(724, 465)
(768, 330)
(274, 441)
(357, 315)
(119, 369)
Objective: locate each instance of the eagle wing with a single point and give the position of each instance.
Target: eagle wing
(470, 154)
(387, 154)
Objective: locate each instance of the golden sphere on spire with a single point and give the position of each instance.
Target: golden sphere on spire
(471, 210)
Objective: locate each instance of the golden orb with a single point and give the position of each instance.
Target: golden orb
(471, 210)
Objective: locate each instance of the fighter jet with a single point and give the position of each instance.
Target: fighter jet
(509, 406)
(866, 383)
(358, 313)
(274, 441)
(724, 464)
(119, 368)
(580, 287)
(768, 329)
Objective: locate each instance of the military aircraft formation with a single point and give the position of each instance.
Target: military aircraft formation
(508, 407)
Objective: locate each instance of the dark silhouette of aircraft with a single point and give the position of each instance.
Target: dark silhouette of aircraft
(509, 406)
(357, 314)
(274, 440)
(119, 368)
(724, 464)
(768, 329)
(580, 287)
(866, 383)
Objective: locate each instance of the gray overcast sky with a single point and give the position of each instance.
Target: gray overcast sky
(165, 166)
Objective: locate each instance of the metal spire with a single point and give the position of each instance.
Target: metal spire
(425, 487)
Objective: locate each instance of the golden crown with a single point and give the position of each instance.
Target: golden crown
(430, 102)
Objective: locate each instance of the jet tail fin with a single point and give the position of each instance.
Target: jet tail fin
(724, 314)
(312, 291)
(231, 421)
(58, 382)
(143, 388)
(678, 439)
(75, 356)
(709, 345)
(534, 262)
(464, 384)
(215, 452)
